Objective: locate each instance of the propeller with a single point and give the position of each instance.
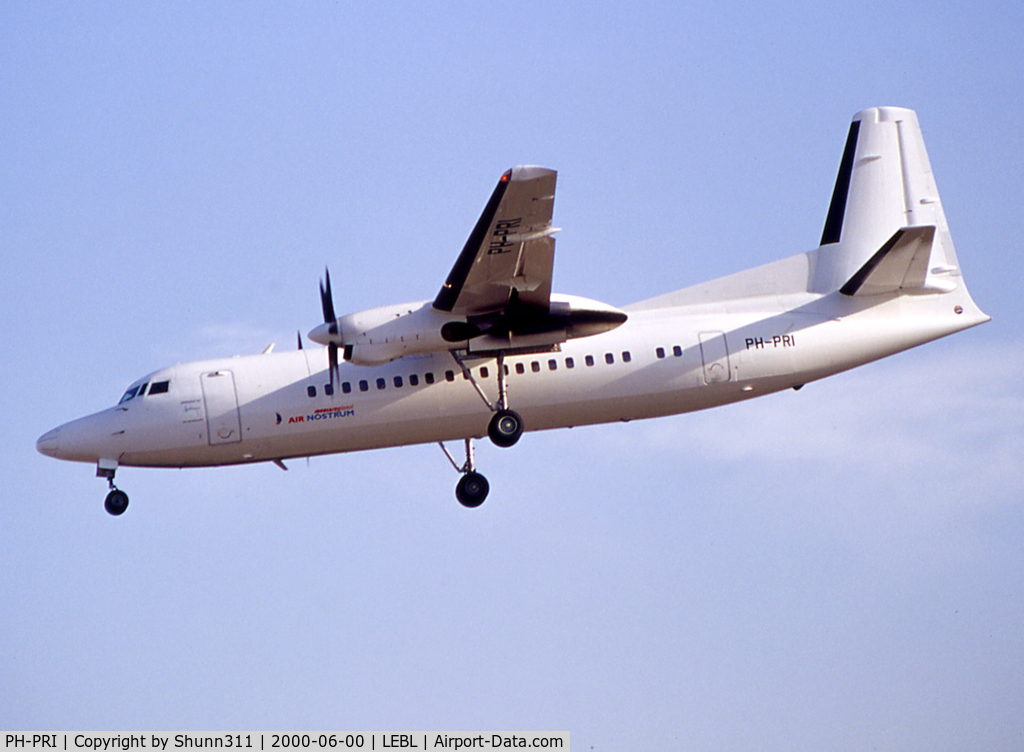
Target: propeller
(331, 321)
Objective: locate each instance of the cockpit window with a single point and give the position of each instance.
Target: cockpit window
(157, 387)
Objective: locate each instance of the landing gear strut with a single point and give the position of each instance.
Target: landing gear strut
(473, 487)
(117, 500)
(506, 425)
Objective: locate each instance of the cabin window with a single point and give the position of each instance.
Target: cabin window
(346, 387)
(329, 389)
(520, 368)
(660, 352)
(570, 363)
(552, 365)
(449, 375)
(414, 380)
(609, 358)
(626, 356)
(589, 360)
(484, 372)
(677, 351)
(398, 382)
(381, 383)
(159, 387)
(535, 367)
(364, 386)
(428, 377)
(506, 370)
(311, 391)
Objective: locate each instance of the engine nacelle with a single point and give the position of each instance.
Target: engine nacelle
(568, 317)
(380, 335)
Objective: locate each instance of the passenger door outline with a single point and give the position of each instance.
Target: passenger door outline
(223, 420)
(714, 353)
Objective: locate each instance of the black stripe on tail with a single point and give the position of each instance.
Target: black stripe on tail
(836, 210)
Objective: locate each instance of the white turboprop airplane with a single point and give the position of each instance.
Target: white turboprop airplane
(885, 278)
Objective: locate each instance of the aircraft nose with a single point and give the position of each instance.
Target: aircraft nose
(86, 439)
(47, 443)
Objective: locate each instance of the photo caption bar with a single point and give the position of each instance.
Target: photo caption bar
(96, 741)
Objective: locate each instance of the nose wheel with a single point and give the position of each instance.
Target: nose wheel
(117, 500)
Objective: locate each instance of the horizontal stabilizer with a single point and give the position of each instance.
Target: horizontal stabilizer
(901, 264)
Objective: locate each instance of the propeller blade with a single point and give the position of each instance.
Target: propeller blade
(331, 320)
(327, 300)
(332, 363)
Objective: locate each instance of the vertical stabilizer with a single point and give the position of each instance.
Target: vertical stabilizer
(885, 184)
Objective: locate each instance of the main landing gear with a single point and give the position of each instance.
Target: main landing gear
(504, 430)
(506, 425)
(117, 500)
(473, 487)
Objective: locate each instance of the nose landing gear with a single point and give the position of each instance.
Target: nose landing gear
(117, 500)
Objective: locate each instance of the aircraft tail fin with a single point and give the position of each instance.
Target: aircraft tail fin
(885, 230)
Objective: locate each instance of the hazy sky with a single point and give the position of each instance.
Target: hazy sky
(839, 568)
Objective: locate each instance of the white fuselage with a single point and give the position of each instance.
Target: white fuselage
(662, 361)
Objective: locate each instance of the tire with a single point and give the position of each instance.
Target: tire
(116, 503)
(472, 490)
(505, 428)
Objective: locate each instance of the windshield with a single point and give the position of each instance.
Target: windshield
(139, 390)
(133, 392)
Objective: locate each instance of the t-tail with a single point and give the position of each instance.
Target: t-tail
(886, 231)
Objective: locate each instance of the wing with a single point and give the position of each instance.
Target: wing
(509, 256)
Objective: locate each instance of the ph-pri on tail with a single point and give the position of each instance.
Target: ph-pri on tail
(886, 231)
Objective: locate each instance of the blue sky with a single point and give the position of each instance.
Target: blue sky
(836, 568)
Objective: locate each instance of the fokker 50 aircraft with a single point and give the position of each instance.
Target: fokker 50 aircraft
(497, 352)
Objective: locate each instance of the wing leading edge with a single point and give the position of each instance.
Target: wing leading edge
(509, 256)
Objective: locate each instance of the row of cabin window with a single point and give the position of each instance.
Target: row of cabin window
(535, 367)
(364, 385)
(414, 379)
